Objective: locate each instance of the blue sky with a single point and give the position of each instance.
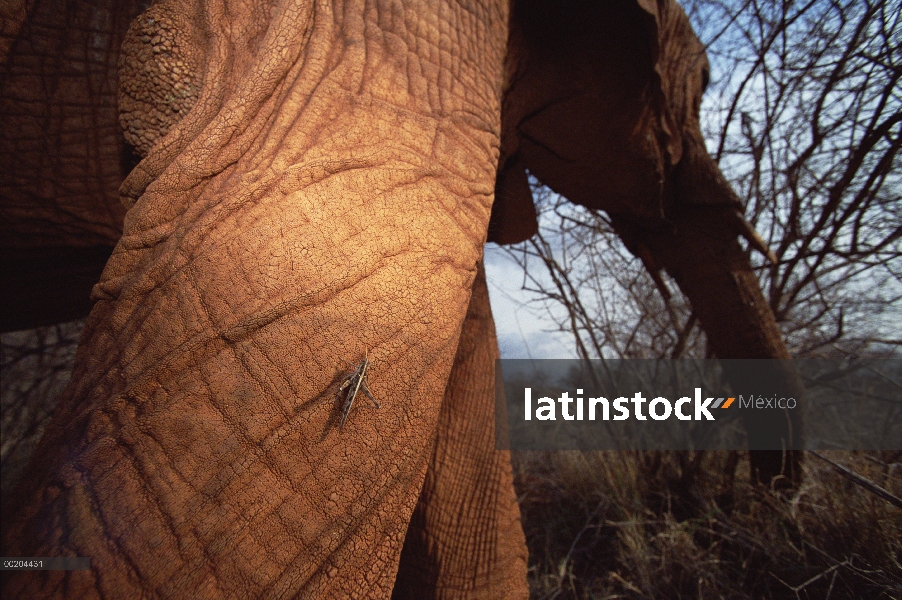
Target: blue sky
(522, 333)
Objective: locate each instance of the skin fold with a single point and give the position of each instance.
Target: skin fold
(313, 182)
(465, 538)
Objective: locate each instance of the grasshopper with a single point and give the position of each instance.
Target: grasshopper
(353, 383)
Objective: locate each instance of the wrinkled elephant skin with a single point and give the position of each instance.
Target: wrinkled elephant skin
(326, 194)
(316, 184)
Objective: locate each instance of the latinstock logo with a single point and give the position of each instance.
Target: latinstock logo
(716, 404)
(659, 408)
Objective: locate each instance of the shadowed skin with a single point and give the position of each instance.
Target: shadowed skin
(317, 182)
(62, 154)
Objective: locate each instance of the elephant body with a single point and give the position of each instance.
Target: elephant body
(316, 185)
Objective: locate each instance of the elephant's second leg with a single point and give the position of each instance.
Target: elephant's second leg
(465, 539)
(703, 255)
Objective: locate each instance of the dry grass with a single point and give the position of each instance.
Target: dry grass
(681, 525)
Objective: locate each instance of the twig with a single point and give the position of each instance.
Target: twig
(563, 566)
(802, 586)
(863, 482)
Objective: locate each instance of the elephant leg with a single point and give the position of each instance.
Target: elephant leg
(326, 199)
(465, 539)
(702, 253)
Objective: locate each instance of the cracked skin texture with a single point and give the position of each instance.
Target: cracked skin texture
(160, 70)
(327, 194)
(459, 542)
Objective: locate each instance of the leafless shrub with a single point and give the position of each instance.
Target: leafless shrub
(808, 129)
